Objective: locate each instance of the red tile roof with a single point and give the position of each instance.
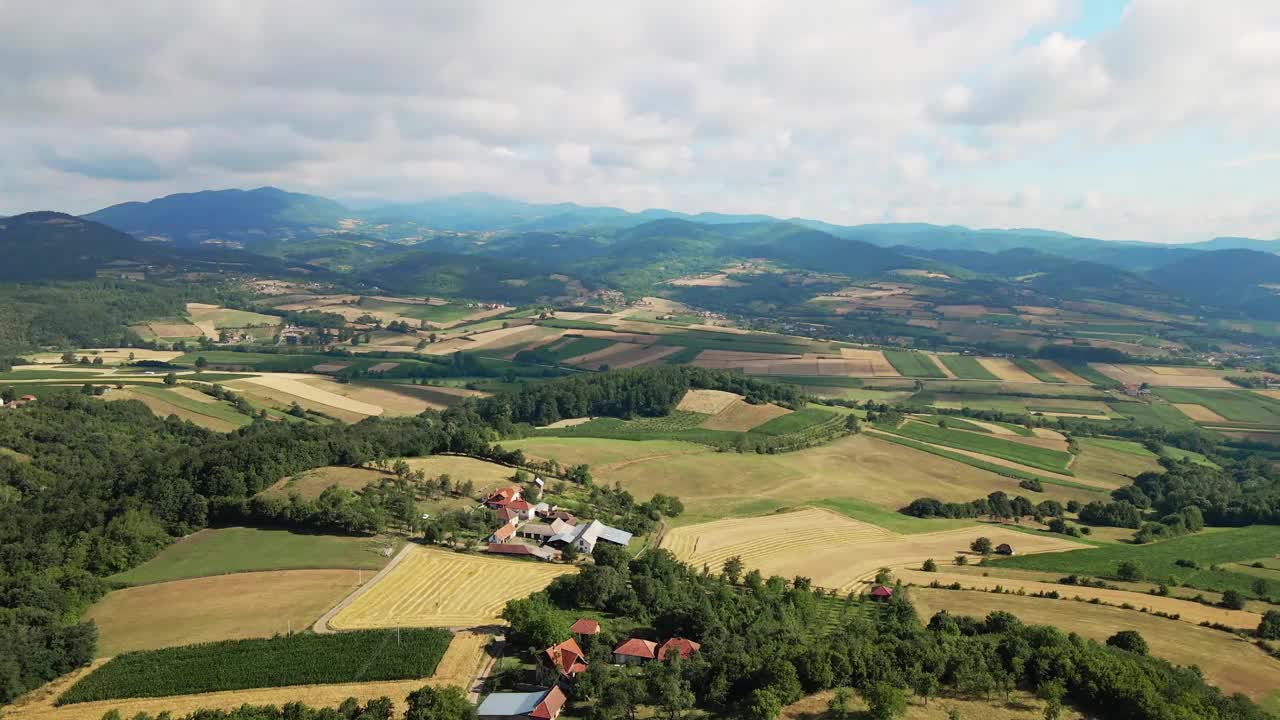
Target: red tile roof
(506, 515)
(567, 657)
(678, 645)
(880, 591)
(517, 505)
(504, 532)
(585, 627)
(635, 647)
(510, 549)
(549, 707)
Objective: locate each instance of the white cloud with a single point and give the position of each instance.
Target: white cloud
(844, 111)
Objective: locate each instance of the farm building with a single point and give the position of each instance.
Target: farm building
(539, 705)
(555, 514)
(585, 537)
(635, 651)
(542, 553)
(503, 496)
(684, 648)
(567, 657)
(585, 627)
(881, 593)
(503, 533)
(544, 531)
(1004, 549)
(506, 515)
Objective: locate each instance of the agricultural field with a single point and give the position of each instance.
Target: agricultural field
(1113, 462)
(1230, 662)
(236, 550)
(1160, 377)
(436, 588)
(1217, 406)
(1210, 547)
(187, 404)
(1035, 370)
(299, 659)
(742, 416)
(913, 364)
(310, 484)
(835, 551)
(849, 471)
(1007, 370)
(485, 475)
(1018, 706)
(212, 318)
(963, 366)
(221, 607)
(1057, 461)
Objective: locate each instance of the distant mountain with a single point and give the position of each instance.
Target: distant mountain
(1237, 243)
(56, 246)
(245, 218)
(1239, 281)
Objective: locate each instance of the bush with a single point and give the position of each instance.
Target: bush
(1269, 628)
(1233, 600)
(1128, 640)
(1130, 571)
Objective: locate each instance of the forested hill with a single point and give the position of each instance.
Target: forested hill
(51, 245)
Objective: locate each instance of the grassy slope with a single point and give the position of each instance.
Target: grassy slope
(913, 364)
(1036, 371)
(1234, 405)
(1035, 457)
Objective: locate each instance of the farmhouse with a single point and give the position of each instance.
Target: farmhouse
(585, 627)
(881, 593)
(1004, 549)
(519, 550)
(504, 496)
(585, 537)
(539, 705)
(503, 533)
(684, 648)
(635, 651)
(567, 657)
(543, 532)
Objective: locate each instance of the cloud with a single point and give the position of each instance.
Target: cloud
(843, 111)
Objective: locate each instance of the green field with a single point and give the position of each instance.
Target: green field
(818, 381)
(966, 367)
(218, 410)
(578, 346)
(300, 659)
(1165, 416)
(576, 325)
(798, 421)
(1240, 406)
(1034, 370)
(1086, 372)
(231, 550)
(955, 423)
(1035, 457)
(983, 465)
(913, 364)
(1207, 548)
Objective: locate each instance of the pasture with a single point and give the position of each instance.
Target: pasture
(963, 366)
(1036, 457)
(234, 550)
(222, 607)
(485, 475)
(913, 364)
(1230, 662)
(835, 551)
(727, 484)
(437, 588)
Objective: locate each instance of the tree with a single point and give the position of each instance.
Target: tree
(444, 703)
(68, 357)
(764, 705)
(171, 379)
(535, 623)
(924, 683)
(201, 362)
(1052, 693)
(1129, 640)
(982, 545)
(1233, 600)
(838, 706)
(1260, 588)
(569, 553)
(929, 566)
(1130, 571)
(8, 395)
(1269, 628)
(733, 569)
(884, 701)
(86, 389)
(962, 559)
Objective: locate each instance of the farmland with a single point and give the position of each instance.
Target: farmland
(966, 367)
(301, 659)
(235, 550)
(310, 484)
(222, 607)
(1228, 661)
(913, 364)
(1237, 406)
(163, 402)
(1036, 457)
(435, 588)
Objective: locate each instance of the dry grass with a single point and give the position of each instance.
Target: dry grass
(1023, 707)
(1199, 413)
(393, 400)
(322, 391)
(485, 475)
(1006, 370)
(499, 337)
(163, 408)
(834, 550)
(435, 588)
(707, 402)
(1061, 373)
(1159, 377)
(742, 416)
(193, 394)
(873, 362)
(952, 312)
(311, 483)
(716, 280)
(224, 607)
(459, 666)
(1232, 663)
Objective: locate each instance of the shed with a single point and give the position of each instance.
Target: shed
(539, 705)
(585, 627)
(881, 592)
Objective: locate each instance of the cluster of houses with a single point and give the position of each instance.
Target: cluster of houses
(14, 404)
(540, 530)
(567, 660)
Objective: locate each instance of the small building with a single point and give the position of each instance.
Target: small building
(567, 657)
(585, 537)
(521, 508)
(881, 593)
(545, 554)
(554, 514)
(28, 398)
(680, 646)
(538, 705)
(1004, 549)
(583, 626)
(506, 515)
(635, 651)
(503, 533)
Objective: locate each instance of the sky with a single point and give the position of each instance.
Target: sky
(1153, 120)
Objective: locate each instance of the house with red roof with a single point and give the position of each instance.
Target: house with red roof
(567, 657)
(502, 496)
(881, 593)
(585, 627)
(538, 705)
(635, 651)
(680, 646)
(504, 533)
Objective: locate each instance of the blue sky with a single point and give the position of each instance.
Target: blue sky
(1152, 119)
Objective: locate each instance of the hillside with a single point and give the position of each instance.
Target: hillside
(1241, 281)
(244, 217)
(56, 246)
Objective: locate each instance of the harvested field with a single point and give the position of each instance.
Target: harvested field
(192, 394)
(435, 588)
(383, 367)
(175, 330)
(300, 386)
(1233, 663)
(1199, 413)
(459, 666)
(946, 371)
(1061, 373)
(1138, 374)
(623, 355)
(499, 336)
(868, 363)
(707, 402)
(1007, 370)
(485, 475)
(224, 607)
(742, 416)
(952, 312)
(110, 356)
(1190, 612)
(835, 551)
(331, 367)
(570, 422)
(162, 407)
(394, 399)
(1273, 394)
(311, 483)
(716, 280)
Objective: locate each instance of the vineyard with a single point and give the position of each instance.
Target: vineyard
(304, 659)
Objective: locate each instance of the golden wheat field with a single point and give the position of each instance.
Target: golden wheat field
(436, 588)
(707, 402)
